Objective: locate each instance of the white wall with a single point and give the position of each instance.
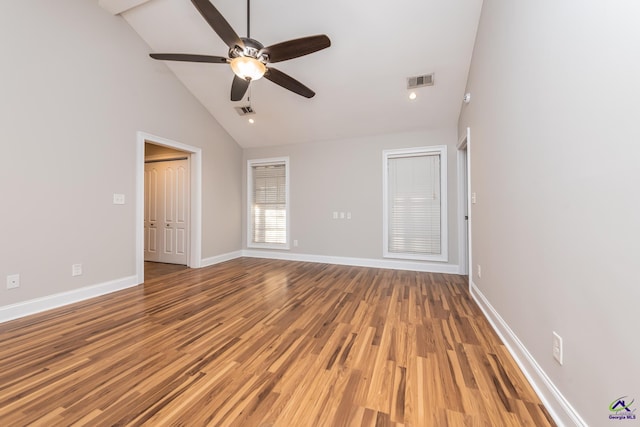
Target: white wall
(346, 176)
(76, 86)
(556, 167)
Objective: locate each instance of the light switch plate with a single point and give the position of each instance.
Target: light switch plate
(76, 270)
(118, 199)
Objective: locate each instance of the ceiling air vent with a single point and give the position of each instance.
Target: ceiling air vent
(245, 111)
(419, 81)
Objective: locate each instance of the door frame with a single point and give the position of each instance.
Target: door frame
(194, 260)
(464, 197)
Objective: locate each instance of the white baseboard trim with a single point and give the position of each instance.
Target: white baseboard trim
(206, 262)
(37, 305)
(356, 262)
(558, 406)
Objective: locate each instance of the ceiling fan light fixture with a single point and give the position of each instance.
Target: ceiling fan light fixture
(248, 68)
(248, 57)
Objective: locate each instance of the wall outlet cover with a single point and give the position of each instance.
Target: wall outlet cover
(557, 349)
(13, 281)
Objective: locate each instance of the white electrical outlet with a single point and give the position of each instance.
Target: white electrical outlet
(76, 269)
(474, 199)
(335, 215)
(118, 199)
(13, 281)
(479, 270)
(557, 348)
(295, 243)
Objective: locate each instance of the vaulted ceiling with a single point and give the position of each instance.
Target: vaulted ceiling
(360, 81)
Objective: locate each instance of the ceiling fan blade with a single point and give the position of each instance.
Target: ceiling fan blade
(218, 23)
(288, 82)
(187, 57)
(297, 47)
(239, 88)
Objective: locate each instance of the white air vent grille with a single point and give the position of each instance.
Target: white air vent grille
(419, 81)
(245, 111)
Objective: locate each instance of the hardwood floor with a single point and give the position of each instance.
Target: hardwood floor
(254, 342)
(153, 270)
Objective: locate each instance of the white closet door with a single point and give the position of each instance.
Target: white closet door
(167, 211)
(151, 252)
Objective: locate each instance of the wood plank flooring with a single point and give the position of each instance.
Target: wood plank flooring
(254, 342)
(153, 270)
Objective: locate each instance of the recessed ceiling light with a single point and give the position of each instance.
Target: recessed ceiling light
(251, 121)
(412, 96)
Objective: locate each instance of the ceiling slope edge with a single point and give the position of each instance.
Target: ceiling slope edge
(116, 7)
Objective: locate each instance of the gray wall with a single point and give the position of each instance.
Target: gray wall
(77, 84)
(346, 176)
(555, 165)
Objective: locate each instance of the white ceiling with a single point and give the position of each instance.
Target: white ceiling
(360, 81)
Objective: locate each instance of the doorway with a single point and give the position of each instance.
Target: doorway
(464, 210)
(154, 270)
(162, 149)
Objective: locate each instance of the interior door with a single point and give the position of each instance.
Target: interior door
(151, 252)
(174, 212)
(465, 209)
(167, 211)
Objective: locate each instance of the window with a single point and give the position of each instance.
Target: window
(415, 203)
(268, 203)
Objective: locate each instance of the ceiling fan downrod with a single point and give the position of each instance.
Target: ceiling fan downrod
(248, 19)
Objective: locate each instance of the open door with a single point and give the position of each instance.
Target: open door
(464, 220)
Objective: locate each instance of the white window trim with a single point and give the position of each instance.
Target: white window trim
(266, 162)
(444, 231)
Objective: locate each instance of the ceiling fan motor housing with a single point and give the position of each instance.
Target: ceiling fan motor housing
(252, 49)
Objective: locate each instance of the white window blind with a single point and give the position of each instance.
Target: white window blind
(414, 204)
(269, 204)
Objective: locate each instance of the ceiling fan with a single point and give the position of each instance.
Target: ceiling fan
(248, 57)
